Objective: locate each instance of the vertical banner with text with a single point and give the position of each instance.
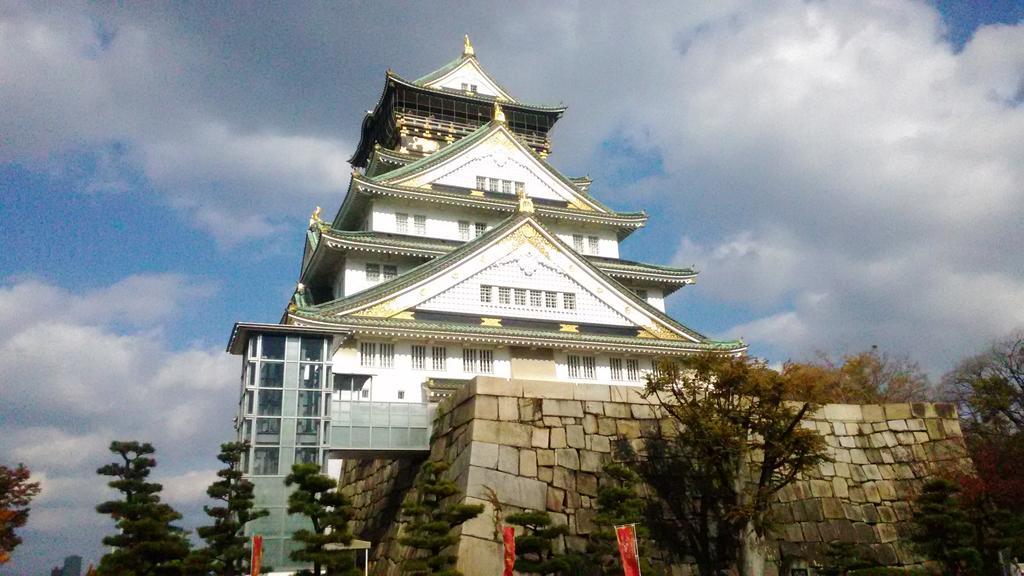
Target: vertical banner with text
(626, 536)
(257, 555)
(508, 534)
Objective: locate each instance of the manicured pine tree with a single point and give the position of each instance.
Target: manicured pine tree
(431, 522)
(618, 503)
(942, 531)
(146, 543)
(227, 552)
(316, 497)
(534, 548)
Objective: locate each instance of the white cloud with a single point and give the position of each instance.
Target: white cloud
(76, 378)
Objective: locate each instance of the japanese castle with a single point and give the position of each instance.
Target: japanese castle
(457, 251)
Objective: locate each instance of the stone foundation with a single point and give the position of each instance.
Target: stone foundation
(540, 445)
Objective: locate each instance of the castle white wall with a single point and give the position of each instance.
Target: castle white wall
(352, 278)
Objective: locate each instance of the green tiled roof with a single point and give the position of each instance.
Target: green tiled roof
(328, 310)
(431, 247)
(509, 335)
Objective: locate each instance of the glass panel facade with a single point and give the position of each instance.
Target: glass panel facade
(310, 375)
(272, 347)
(270, 402)
(265, 461)
(312, 350)
(272, 374)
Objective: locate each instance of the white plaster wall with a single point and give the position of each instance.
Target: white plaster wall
(387, 382)
(442, 223)
(470, 76)
(656, 298)
(607, 240)
(354, 279)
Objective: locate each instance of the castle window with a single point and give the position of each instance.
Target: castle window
(368, 354)
(506, 186)
(584, 367)
(463, 230)
(485, 293)
(551, 299)
(481, 183)
(469, 360)
(520, 297)
(401, 394)
(633, 369)
(402, 223)
(439, 358)
(492, 184)
(535, 298)
(593, 244)
(373, 272)
(504, 295)
(477, 361)
(577, 242)
(520, 188)
(419, 357)
(420, 222)
(387, 355)
(616, 368)
(390, 272)
(569, 301)
(480, 228)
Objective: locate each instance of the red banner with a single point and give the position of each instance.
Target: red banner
(627, 549)
(508, 534)
(257, 555)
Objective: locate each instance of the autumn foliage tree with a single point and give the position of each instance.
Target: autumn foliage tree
(735, 441)
(869, 377)
(16, 493)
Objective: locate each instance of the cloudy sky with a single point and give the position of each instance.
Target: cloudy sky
(843, 173)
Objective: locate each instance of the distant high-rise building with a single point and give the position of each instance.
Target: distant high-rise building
(72, 566)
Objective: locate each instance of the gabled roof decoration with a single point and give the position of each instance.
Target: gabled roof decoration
(389, 299)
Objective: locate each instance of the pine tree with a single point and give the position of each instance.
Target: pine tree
(618, 503)
(942, 532)
(226, 551)
(534, 548)
(146, 543)
(431, 522)
(316, 497)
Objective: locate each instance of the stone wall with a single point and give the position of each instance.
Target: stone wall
(541, 445)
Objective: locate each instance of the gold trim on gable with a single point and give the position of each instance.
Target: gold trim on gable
(490, 322)
(574, 328)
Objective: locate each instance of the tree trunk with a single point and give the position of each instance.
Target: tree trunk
(752, 552)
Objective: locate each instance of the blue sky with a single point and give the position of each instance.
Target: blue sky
(844, 174)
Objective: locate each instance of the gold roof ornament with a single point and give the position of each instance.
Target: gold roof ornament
(467, 47)
(525, 203)
(499, 114)
(315, 217)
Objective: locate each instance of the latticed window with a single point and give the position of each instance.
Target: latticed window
(520, 296)
(419, 357)
(373, 272)
(481, 183)
(463, 230)
(616, 368)
(480, 228)
(387, 355)
(439, 358)
(506, 186)
(368, 354)
(551, 299)
(582, 367)
(633, 369)
(470, 360)
(594, 244)
(420, 222)
(402, 223)
(390, 272)
(577, 242)
(504, 295)
(536, 296)
(520, 188)
(569, 301)
(492, 184)
(485, 293)
(487, 361)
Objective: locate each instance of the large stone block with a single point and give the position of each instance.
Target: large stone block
(508, 408)
(897, 412)
(628, 428)
(548, 389)
(528, 463)
(593, 392)
(483, 454)
(567, 457)
(539, 437)
(478, 556)
(508, 433)
(591, 461)
(508, 459)
(600, 443)
(557, 438)
(843, 412)
(492, 386)
(574, 436)
(552, 407)
(617, 410)
(511, 489)
(545, 457)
